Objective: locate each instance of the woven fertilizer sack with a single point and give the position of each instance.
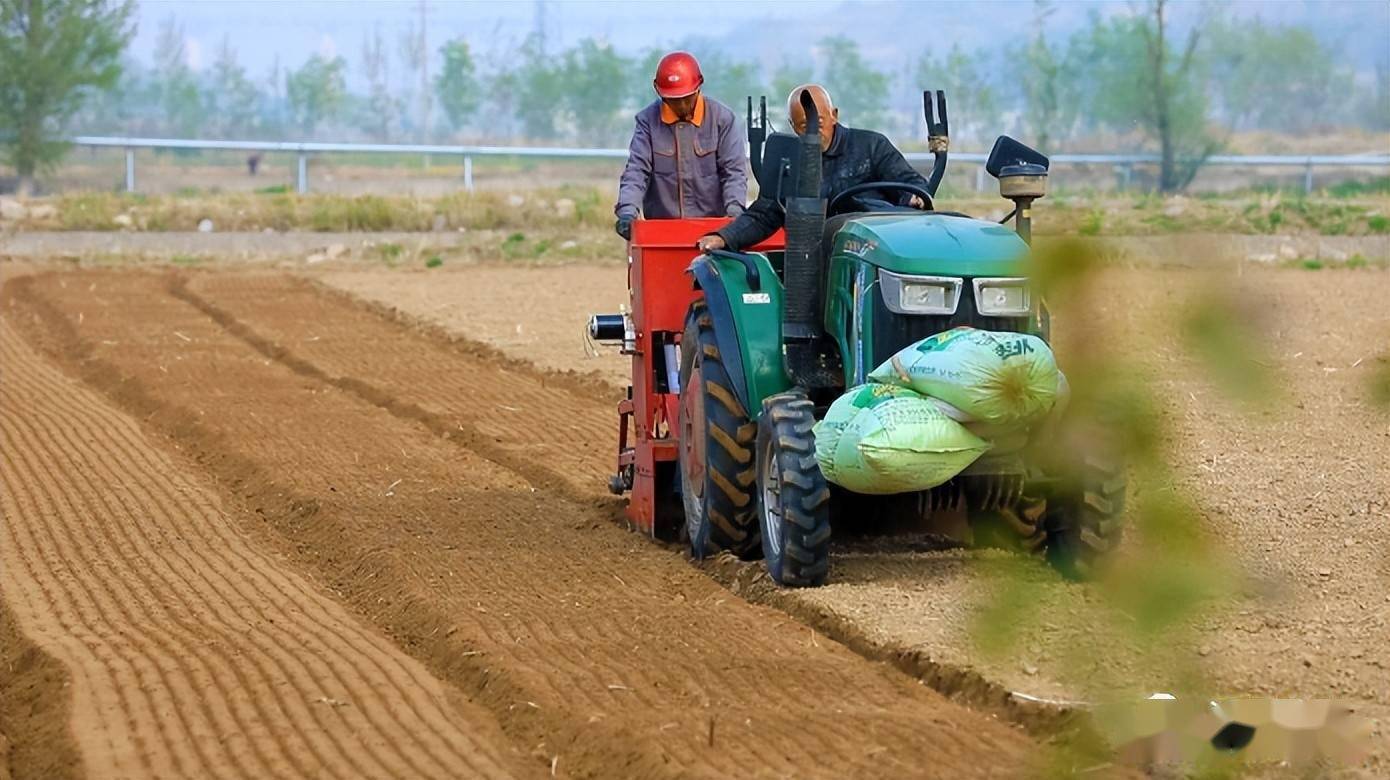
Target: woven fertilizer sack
(883, 439)
(995, 378)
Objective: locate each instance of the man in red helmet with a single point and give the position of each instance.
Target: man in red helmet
(686, 158)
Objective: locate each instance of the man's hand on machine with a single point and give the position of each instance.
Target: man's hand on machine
(916, 202)
(624, 228)
(710, 242)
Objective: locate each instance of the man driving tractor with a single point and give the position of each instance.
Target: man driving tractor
(686, 158)
(849, 156)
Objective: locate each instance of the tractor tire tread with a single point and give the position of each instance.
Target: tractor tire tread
(733, 444)
(1087, 522)
(785, 433)
(729, 446)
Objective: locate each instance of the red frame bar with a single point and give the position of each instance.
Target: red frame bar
(660, 293)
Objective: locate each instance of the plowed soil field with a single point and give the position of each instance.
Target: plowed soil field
(254, 527)
(1294, 494)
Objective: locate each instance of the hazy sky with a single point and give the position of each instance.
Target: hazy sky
(258, 29)
(890, 33)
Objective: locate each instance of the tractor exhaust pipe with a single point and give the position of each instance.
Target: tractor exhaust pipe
(803, 269)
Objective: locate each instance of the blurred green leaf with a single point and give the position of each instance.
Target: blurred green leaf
(1223, 332)
(1380, 382)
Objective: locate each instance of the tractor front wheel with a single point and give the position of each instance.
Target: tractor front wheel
(716, 447)
(1085, 517)
(794, 500)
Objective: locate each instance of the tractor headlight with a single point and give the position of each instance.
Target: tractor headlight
(920, 294)
(1003, 297)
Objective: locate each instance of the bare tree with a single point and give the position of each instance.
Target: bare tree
(1138, 80)
(382, 104)
(414, 49)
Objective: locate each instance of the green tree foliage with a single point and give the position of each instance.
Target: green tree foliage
(53, 54)
(118, 109)
(788, 76)
(731, 82)
(176, 87)
(1139, 80)
(316, 91)
(1276, 77)
(587, 79)
(972, 102)
(234, 101)
(859, 91)
(456, 86)
(1046, 86)
(532, 90)
(643, 70)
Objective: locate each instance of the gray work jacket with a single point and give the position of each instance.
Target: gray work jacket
(683, 170)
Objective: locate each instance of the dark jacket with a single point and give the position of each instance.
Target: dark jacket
(684, 170)
(854, 157)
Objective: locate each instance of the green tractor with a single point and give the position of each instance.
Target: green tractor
(774, 340)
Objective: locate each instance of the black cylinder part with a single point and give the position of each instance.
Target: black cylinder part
(607, 327)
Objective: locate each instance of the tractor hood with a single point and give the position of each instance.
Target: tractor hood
(933, 244)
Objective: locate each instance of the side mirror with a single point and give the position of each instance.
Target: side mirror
(1020, 169)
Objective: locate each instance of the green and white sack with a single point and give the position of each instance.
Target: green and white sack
(882, 439)
(994, 377)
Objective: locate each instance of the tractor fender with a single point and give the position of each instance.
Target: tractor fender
(720, 310)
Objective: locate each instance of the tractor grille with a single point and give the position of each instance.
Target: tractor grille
(894, 331)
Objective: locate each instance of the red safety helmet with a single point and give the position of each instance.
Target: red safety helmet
(678, 75)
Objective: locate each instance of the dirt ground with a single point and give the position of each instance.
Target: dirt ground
(262, 524)
(1297, 496)
(267, 531)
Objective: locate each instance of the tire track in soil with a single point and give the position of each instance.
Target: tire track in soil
(191, 652)
(592, 647)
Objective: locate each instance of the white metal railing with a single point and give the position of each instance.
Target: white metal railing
(303, 149)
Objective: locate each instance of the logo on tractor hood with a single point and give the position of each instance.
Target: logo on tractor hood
(859, 247)
(758, 297)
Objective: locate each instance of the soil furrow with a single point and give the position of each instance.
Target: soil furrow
(35, 740)
(162, 537)
(552, 440)
(101, 609)
(368, 560)
(413, 551)
(194, 607)
(101, 613)
(264, 609)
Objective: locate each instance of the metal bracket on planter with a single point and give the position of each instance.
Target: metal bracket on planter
(938, 132)
(938, 136)
(757, 134)
(755, 280)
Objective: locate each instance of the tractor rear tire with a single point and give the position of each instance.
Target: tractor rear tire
(1085, 520)
(794, 499)
(716, 448)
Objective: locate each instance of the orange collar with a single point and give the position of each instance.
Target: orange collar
(669, 117)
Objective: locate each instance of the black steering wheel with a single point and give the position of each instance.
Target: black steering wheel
(911, 189)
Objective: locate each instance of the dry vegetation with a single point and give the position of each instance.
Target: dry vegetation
(1352, 209)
